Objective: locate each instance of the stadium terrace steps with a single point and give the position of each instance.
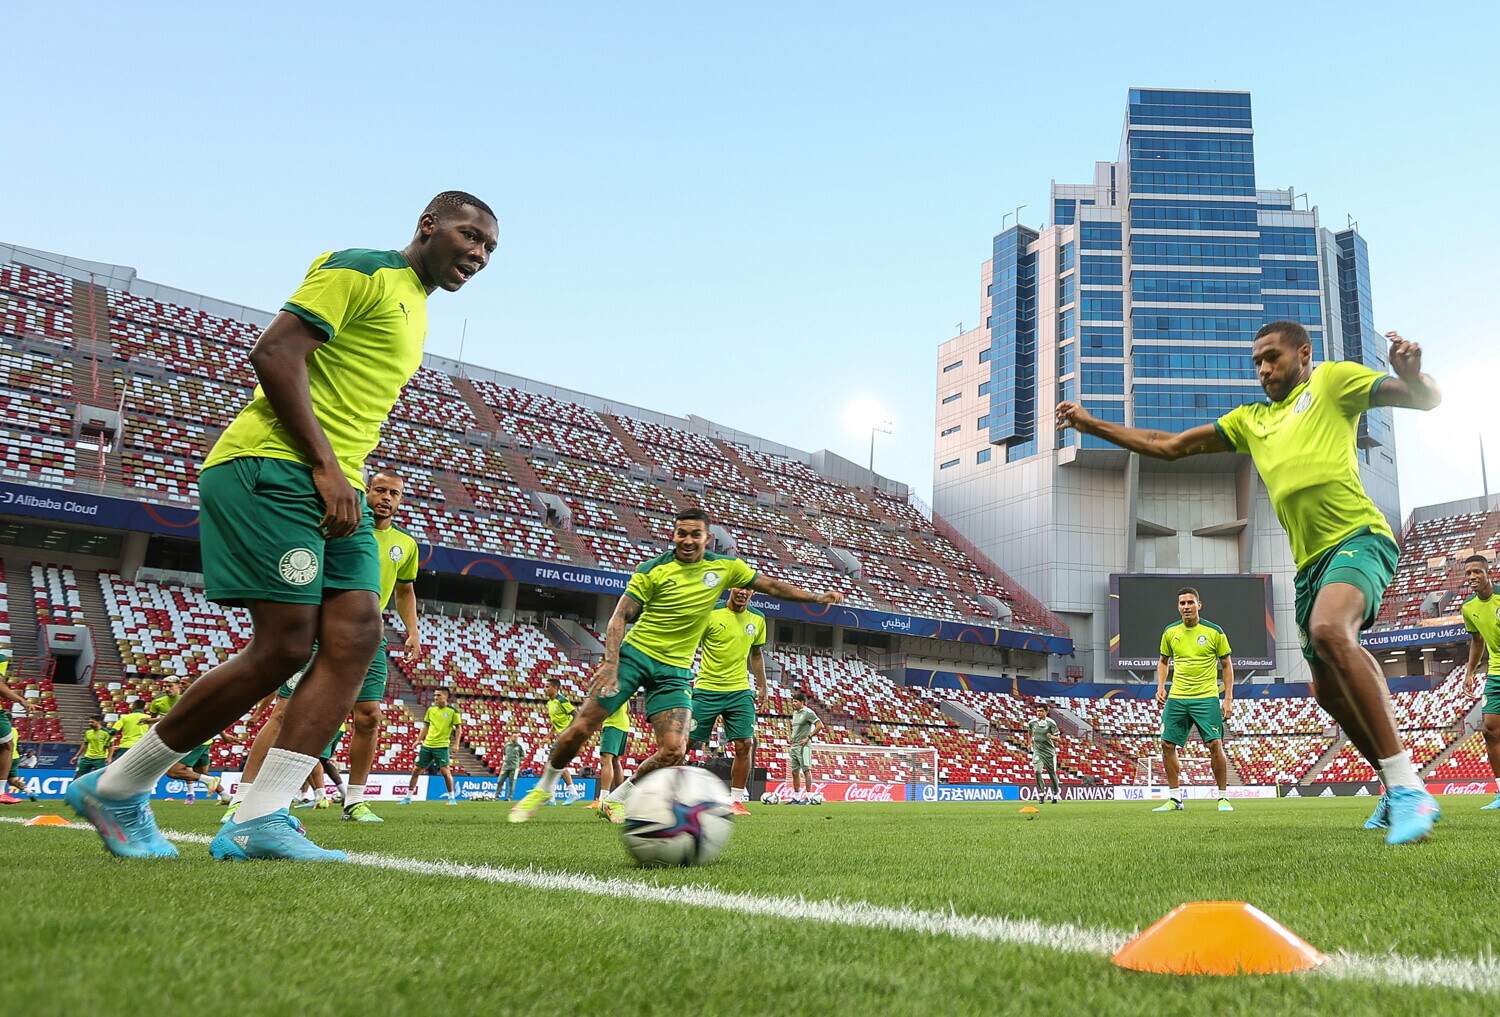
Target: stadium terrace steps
(482, 412)
(631, 446)
(743, 464)
(1327, 757)
(455, 494)
(573, 545)
(520, 470)
(23, 625)
(75, 705)
(400, 687)
(1458, 742)
(93, 350)
(108, 664)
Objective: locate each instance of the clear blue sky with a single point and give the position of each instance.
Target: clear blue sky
(789, 202)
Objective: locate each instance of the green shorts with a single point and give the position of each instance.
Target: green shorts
(737, 708)
(1364, 560)
(6, 727)
(1492, 694)
(88, 764)
(432, 759)
(801, 757)
(372, 690)
(612, 741)
(666, 687)
(258, 527)
(332, 747)
(1205, 713)
(197, 757)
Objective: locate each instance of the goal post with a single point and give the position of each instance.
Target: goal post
(875, 764)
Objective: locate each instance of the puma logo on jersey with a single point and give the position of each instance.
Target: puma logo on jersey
(1348, 554)
(404, 311)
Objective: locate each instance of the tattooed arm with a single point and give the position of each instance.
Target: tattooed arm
(607, 678)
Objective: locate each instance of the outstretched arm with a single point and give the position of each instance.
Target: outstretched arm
(787, 591)
(1156, 444)
(1410, 389)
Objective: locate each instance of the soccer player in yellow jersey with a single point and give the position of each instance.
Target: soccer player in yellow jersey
(669, 599)
(560, 711)
(731, 653)
(1302, 441)
(284, 532)
(1482, 620)
(1194, 648)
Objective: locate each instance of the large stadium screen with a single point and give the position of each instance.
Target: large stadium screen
(1140, 606)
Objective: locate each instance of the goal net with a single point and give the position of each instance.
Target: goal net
(884, 764)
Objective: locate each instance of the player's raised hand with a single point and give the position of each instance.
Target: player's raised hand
(1070, 414)
(1405, 356)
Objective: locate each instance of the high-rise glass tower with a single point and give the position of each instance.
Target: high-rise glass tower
(1141, 300)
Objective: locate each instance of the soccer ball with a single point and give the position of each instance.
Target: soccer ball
(816, 798)
(770, 798)
(677, 816)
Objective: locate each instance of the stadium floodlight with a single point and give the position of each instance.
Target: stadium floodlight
(867, 415)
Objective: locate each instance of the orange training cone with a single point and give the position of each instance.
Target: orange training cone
(46, 821)
(1217, 937)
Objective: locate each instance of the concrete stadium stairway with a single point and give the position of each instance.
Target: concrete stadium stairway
(75, 705)
(108, 665)
(1323, 760)
(401, 688)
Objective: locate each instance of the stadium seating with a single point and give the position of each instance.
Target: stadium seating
(55, 593)
(1431, 563)
(35, 371)
(476, 656)
(1348, 765)
(1468, 762)
(168, 630)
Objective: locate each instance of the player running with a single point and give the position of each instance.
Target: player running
(191, 769)
(1195, 649)
(8, 739)
(560, 712)
(1482, 618)
(805, 726)
(1302, 441)
(398, 573)
(130, 728)
(669, 599)
(731, 652)
(1044, 734)
(284, 532)
(443, 723)
(93, 754)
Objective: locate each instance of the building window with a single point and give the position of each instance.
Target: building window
(984, 356)
(950, 462)
(984, 389)
(953, 366)
(981, 457)
(951, 430)
(983, 422)
(950, 399)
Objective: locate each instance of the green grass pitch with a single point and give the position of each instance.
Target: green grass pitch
(92, 935)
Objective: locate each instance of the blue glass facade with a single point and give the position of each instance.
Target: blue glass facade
(1012, 384)
(1357, 317)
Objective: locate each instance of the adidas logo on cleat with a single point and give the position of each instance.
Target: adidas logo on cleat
(243, 840)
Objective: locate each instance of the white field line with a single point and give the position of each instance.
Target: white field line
(1478, 974)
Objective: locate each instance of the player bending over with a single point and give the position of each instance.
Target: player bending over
(805, 727)
(1195, 649)
(731, 653)
(1044, 734)
(1482, 618)
(284, 532)
(1302, 441)
(669, 599)
(442, 724)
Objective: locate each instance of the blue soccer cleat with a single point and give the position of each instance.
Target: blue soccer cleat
(269, 838)
(1413, 813)
(1380, 819)
(126, 825)
(1493, 806)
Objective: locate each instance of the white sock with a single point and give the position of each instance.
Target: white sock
(343, 789)
(1177, 794)
(318, 793)
(739, 794)
(239, 793)
(206, 779)
(1397, 771)
(138, 770)
(353, 794)
(622, 790)
(280, 776)
(548, 783)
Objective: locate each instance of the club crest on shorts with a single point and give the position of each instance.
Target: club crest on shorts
(299, 566)
(1304, 402)
(710, 578)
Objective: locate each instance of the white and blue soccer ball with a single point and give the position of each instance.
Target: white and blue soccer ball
(770, 798)
(816, 798)
(677, 816)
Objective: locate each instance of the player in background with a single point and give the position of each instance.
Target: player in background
(325, 770)
(613, 740)
(284, 532)
(442, 725)
(510, 767)
(19, 761)
(191, 769)
(805, 727)
(1044, 734)
(668, 600)
(93, 754)
(1481, 614)
(130, 728)
(398, 573)
(8, 740)
(1302, 441)
(1195, 649)
(560, 713)
(731, 645)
